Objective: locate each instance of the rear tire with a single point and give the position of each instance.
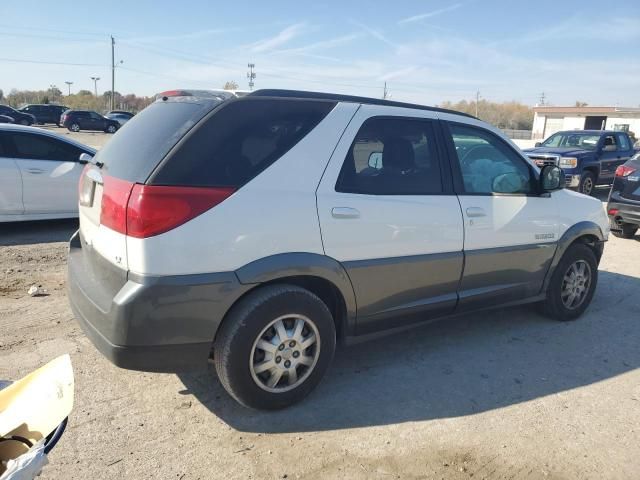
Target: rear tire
(587, 183)
(25, 123)
(111, 129)
(627, 231)
(570, 292)
(264, 364)
(74, 127)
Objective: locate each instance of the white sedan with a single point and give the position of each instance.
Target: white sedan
(39, 173)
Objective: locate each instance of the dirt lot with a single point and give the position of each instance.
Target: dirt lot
(508, 395)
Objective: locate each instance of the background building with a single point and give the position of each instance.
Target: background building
(547, 119)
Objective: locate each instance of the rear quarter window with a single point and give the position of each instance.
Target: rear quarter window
(240, 140)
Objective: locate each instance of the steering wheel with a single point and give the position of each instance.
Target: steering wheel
(477, 150)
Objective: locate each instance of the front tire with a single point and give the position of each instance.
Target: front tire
(587, 183)
(274, 346)
(25, 123)
(572, 284)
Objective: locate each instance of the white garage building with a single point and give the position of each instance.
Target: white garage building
(548, 120)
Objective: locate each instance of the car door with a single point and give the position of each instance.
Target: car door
(10, 180)
(50, 173)
(84, 120)
(388, 213)
(510, 230)
(624, 152)
(97, 121)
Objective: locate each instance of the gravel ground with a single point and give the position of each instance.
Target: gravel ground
(507, 394)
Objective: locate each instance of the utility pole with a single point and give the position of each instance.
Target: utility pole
(251, 75)
(385, 92)
(477, 101)
(53, 92)
(69, 85)
(542, 99)
(95, 85)
(113, 71)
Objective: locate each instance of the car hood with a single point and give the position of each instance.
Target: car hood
(563, 152)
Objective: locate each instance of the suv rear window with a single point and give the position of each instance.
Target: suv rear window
(239, 141)
(135, 151)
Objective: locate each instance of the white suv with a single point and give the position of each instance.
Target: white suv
(261, 230)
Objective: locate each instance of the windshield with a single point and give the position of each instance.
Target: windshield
(572, 140)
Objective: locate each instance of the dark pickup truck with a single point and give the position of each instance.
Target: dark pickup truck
(587, 157)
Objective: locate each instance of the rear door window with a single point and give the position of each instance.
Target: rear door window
(392, 156)
(623, 141)
(40, 147)
(239, 141)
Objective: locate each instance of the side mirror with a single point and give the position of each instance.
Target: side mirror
(375, 160)
(538, 144)
(551, 178)
(510, 182)
(84, 158)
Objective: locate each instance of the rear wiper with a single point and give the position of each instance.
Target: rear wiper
(86, 158)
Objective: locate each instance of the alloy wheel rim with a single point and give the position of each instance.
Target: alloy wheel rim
(587, 186)
(285, 353)
(575, 284)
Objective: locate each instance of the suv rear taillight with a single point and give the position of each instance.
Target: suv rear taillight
(143, 211)
(624, 171)
(155, 209)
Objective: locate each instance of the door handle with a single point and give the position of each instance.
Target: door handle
(473, 212)
(35, 170)
(344, 212)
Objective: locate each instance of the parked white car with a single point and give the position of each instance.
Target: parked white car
(39, 173)
(262, 230)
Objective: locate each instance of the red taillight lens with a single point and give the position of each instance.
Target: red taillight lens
(624, 171)
(175, 93)
(155, 209)
(613, 212)
(115, 196)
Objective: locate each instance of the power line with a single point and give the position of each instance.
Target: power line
(46, 62)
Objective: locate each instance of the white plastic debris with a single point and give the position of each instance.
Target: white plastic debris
(35, 290)
(27, 466)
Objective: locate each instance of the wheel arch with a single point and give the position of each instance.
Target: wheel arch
(588, 233)
(321, 275)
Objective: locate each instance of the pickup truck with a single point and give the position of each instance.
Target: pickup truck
(587, 157)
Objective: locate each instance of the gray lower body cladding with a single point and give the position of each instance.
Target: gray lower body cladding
(144, 322)
(168, 323)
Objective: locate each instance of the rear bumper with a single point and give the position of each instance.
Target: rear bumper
(159, 324)
(627, 213)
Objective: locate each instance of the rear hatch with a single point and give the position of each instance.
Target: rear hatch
(125, 163)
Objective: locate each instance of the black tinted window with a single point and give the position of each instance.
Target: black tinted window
(239, 141)
(487, 164)
(40, 147)
(392, 157)
(135, 151)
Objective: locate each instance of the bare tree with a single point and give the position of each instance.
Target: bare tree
(231, 85)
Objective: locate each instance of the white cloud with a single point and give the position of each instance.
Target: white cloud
(433, 13)
(284, 36)
(374, 33)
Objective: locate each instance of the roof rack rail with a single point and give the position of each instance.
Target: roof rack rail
(269, 92)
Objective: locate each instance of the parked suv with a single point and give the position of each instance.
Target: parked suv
(587, 157)
(262, 230)
(76, 120)
(624, 199)
(45, 113)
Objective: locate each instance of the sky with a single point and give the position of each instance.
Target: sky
(426, 51)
